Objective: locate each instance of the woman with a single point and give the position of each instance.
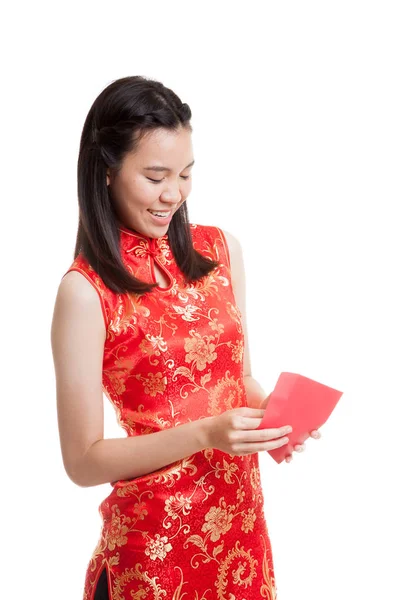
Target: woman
(152, 313)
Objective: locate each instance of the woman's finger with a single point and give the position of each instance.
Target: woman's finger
(315, 434)
(299, 448)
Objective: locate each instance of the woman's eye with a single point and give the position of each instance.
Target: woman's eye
(159, 180)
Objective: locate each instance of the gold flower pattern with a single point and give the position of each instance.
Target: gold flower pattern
(195, 529)
(200, 350)
(158, 548)
(217, 521)
(118, 529)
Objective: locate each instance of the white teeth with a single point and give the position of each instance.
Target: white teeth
(160, 213)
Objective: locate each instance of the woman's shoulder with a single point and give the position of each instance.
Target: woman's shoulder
(81, 265)
(206, 235)
(212, 236)
(206, 231)
(83, 284)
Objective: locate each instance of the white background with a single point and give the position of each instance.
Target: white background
(296, 140)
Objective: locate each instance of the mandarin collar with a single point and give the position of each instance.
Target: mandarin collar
(140, 244)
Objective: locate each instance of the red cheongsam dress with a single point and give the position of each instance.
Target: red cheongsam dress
(195, 529)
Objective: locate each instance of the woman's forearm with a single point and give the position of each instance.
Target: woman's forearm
(256, 397)
(109, 460)
(113, 459)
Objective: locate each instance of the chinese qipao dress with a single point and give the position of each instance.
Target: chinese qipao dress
(195, 529)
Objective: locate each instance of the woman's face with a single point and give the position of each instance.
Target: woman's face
(133, 193)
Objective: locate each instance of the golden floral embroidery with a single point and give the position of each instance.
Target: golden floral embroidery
(228, 470)
(158, 547)
(255, 478)
(119, 372)
(227, 394)
(240, 494)
(153, 344)
(146, 583)
(197, 540)
(237, 351)
(217, 327)
(200, 350)
(268, 588)
(164, 252)
(236, 315)
(127, 488)
(125, 316)
(140, 509)
(176, 504)
(250, 563)
(249, 520)
(218, 521)
(177, 508)
(171, 475)
(154, 383)
(208, 453)
(187, 312)
(141, 249)
(199, 290)
(116, 382)
(118, 529)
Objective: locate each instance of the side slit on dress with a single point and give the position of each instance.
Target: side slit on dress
(101, 590)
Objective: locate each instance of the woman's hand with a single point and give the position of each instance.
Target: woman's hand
(315, 433)
(236, 432)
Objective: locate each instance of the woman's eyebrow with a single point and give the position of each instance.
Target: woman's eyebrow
(159, 168)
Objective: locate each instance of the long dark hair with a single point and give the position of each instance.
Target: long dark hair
(122, 113)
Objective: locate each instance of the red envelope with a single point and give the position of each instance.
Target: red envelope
(300, 402)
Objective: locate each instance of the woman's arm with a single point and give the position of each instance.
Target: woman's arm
(111, 459)
(77, 336)
(256, 397)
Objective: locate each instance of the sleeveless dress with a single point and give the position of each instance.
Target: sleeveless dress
(195, 529)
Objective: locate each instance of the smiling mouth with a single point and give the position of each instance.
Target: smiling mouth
(160, 212)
